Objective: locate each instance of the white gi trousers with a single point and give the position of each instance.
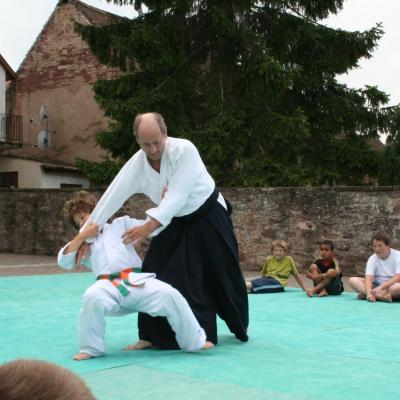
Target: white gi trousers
(155, 298)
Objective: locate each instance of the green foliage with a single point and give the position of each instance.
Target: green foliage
(251, 83)
(388, 172)
(99, 174)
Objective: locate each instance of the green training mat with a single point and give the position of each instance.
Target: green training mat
(300, 348)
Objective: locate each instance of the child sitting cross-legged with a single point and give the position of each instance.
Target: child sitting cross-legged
(325, 272)
(382, 274)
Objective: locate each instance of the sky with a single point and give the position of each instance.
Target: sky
(22, 20)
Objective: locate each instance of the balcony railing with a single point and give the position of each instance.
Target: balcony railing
(10, 130)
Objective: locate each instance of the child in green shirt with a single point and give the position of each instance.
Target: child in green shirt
(276, 271)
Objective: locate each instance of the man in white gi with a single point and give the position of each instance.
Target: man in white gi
(118, 290)
(193, 244)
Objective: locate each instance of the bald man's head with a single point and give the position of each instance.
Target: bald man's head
(151, 134)
(148, 118)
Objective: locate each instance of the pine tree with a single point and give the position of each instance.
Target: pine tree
(252, 83)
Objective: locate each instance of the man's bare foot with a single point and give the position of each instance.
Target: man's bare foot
(139, 345)
(249, 287)
(82, 356)
(207, 346)
(361, 296)
(310, 292)
(387, 298)
(323, 293)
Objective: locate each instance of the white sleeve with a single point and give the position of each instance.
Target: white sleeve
(124, 185)
(132, 222)
(371, 265)
(66, 261)
(186, 173)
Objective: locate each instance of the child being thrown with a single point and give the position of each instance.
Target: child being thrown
(118, 290)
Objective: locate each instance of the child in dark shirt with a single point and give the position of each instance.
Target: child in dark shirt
(325, 272)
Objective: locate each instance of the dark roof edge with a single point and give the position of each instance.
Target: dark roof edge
(39, 160)
(59, 168)
(10, 73)
(98, 10)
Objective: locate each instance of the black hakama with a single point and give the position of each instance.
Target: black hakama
(198, 255)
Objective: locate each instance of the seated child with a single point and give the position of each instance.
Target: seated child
(118, 290)
(382, 273)
(276, 271)
(325, 272)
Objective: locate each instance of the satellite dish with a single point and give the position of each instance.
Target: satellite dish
(44, 140)
(44, 113)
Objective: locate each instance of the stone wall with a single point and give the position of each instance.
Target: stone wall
(303, 216)
(31, 221)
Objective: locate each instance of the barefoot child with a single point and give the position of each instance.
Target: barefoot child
(382, 274)
(118, 290)
(276, 271)
(325, 272)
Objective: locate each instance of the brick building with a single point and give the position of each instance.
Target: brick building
(58, 72)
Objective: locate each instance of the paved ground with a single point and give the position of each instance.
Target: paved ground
(24, 264)
(17, 264)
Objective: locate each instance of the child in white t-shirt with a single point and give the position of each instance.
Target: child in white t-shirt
(382, 274)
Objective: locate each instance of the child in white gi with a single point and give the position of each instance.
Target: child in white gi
(118, 290)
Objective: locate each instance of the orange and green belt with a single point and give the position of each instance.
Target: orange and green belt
(123, 276)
